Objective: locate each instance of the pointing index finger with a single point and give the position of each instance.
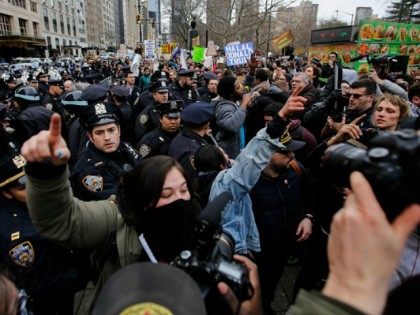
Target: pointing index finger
(55, 129)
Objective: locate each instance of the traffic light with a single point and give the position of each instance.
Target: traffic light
(138, 19)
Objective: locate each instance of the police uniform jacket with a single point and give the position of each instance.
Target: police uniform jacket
(187, 95)
(43, 88)
(156, 142)
(146, 121)
(184, 147)
(96, 174)
(41, 267)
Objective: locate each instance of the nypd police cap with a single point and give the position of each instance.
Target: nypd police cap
(100, 113)
(198, 113)
(120, 90)
(171, 109)
(185, 73)
(95, 93)
(160, 85)
(11, 168)
(146, 288)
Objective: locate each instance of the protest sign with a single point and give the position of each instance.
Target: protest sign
(238, 54)
(149, 49)
(198, 54)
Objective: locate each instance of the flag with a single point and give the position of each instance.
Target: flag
(176, 53)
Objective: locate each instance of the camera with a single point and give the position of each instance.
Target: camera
(391, 164)
(212, 262)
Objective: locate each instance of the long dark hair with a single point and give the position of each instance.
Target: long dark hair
(141, 188)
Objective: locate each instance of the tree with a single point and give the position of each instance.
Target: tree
(331, 22)
(403, 11)
(181, 13)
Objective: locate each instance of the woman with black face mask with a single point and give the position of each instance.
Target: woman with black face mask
(153, 217)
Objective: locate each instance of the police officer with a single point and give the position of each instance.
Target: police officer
(52, 99)
(197, 118)
(32, 116)
(49, 274)
(42, 83)
(148, 119)
(158, 141)
(98, 171)
(184, 88)
(118, 95)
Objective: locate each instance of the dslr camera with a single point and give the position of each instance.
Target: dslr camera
(212, 262)
(391, 164)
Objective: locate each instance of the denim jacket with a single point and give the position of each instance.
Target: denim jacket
(237, 217)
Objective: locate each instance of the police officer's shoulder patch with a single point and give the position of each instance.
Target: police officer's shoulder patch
(143, 119)
(23, 254)
(93, 182)
(144, 150)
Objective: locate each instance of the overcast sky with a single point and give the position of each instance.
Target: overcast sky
(327, 7)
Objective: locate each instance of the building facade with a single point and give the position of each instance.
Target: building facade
(21, 32)
(362, 13)
(60, 26)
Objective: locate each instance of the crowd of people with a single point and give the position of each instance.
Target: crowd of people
(111, 163)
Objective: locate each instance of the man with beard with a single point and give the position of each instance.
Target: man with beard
(42, 83)
(98, 171)
(158, 141)
(155, 210)
(184, 88)
(230, 111)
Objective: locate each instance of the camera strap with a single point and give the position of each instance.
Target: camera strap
(147, 248)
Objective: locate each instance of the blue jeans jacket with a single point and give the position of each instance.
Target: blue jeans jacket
(237, 217)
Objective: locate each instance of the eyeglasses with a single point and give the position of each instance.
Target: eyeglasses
(355, 96)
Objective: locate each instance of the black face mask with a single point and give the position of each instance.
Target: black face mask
(170, 229)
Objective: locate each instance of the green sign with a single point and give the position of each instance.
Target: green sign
(389, 32)
(198, 54)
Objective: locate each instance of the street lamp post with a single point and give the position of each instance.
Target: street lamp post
(351, 22)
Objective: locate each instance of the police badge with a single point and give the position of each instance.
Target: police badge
(143, 119)
(100, 109)
(144, 150)
(23, 254)
(93, 182)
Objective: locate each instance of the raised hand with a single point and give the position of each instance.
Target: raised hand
(294, 104)
(347, 131)
(364, 248)
(48, 145)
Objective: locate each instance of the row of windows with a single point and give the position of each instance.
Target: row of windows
(57, 42)
(6, 26)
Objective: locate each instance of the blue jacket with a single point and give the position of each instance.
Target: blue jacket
(237, 217)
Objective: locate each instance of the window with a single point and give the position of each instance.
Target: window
(55, 25)
(60, 6)
(18, 3)
(62, 24)
(57, 43)
(33, 6)
(46, 19)
(22, 27)
(68, 26)
(74, 30)
(67, 9)
(35, 27)
(48, 40)
(5, 26)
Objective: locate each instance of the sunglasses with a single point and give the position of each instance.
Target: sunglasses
(355, 96)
